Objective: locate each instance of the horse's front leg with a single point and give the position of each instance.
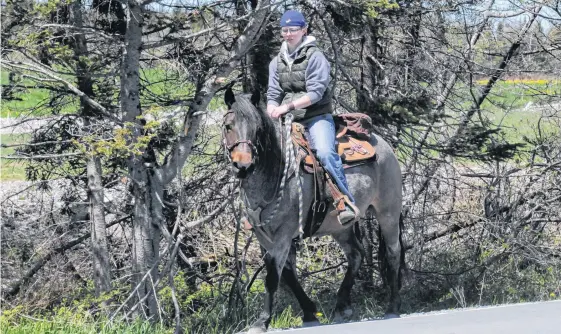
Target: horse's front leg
(291, 279)
(274, 263)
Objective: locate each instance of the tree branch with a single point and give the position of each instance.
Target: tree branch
(177, 157)
(474, 108)
(39, 69)
(15, 288)
(40, 157)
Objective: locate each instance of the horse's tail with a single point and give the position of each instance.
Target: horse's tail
(382, 258)
(402, 265)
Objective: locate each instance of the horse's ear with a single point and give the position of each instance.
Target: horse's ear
(255, 98)
(229, 97)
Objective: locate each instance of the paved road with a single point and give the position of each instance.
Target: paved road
(530, 318)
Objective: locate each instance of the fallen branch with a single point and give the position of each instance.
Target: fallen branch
(15, 288)
(40, 157)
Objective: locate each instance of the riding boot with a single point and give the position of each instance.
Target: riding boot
(346, 211)
(348, 215)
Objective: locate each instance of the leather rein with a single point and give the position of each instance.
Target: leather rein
(280, 180)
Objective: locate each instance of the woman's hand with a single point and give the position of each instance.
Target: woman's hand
(279, 111)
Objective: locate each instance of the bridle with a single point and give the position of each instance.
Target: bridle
(230, 147)
(290, 157)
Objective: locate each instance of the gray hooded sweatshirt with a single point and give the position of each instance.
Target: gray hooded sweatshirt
(317, 78)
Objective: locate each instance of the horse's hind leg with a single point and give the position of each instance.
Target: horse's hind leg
(353, 251)
(291, 279)
(391, 246)
(274, 263)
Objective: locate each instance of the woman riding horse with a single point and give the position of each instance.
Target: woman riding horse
(298, 83)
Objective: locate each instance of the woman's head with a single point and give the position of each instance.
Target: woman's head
(293, 27)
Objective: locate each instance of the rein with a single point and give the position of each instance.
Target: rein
(290, 156)
(289, 153)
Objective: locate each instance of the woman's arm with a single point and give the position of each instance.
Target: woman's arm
(317, 77)
(275, 93)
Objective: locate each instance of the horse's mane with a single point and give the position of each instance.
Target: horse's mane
(261, 130)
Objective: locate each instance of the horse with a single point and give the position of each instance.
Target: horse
(255, 146)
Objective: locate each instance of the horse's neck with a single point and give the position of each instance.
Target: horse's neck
(257, 191)
(261, 186)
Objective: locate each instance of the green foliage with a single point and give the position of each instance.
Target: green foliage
(373, 7)
(122, 145)
(49, 6)
(78, 313)
(63, 324)
(286, 319)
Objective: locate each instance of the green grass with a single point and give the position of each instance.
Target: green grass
(515, 105)
(160, 84)
(31, 326)
(165, 84)
(517, 94)
(12, 170)
(25, 101)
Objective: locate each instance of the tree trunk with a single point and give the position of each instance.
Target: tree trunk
(146, 239)
(371, 73)
(100, 258)
(256, 63)
(147, 178)
(146, 236)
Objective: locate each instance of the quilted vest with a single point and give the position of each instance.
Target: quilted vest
(292, 80)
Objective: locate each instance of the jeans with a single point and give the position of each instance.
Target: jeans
(321, 134)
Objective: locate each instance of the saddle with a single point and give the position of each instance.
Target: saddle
(354, 148)
(353, 145)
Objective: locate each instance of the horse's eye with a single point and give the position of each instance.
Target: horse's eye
(228, 127)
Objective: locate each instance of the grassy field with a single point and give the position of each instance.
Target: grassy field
(11, 170)
(159, 84)
(519, 107)
(29, 101)
(515, 104)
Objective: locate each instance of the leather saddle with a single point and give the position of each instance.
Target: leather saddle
(353, 148)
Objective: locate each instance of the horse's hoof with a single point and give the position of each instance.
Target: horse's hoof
(391, 316)
(313, 323)
(343, 316)
(256, 330)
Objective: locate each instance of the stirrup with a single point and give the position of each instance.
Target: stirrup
(341, 208)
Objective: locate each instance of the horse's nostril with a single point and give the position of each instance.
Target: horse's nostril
(239, 165)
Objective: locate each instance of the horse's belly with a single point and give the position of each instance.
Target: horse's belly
(329, 226)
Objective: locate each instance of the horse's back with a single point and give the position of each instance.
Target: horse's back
(376, 183)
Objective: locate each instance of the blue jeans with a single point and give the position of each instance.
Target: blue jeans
(321, 130)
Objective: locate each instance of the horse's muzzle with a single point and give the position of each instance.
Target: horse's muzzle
(242, 163)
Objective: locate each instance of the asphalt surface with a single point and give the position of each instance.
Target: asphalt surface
(530, 318)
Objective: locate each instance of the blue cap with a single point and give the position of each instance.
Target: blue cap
(292, 18)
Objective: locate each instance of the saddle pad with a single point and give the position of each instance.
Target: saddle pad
(350, 150)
